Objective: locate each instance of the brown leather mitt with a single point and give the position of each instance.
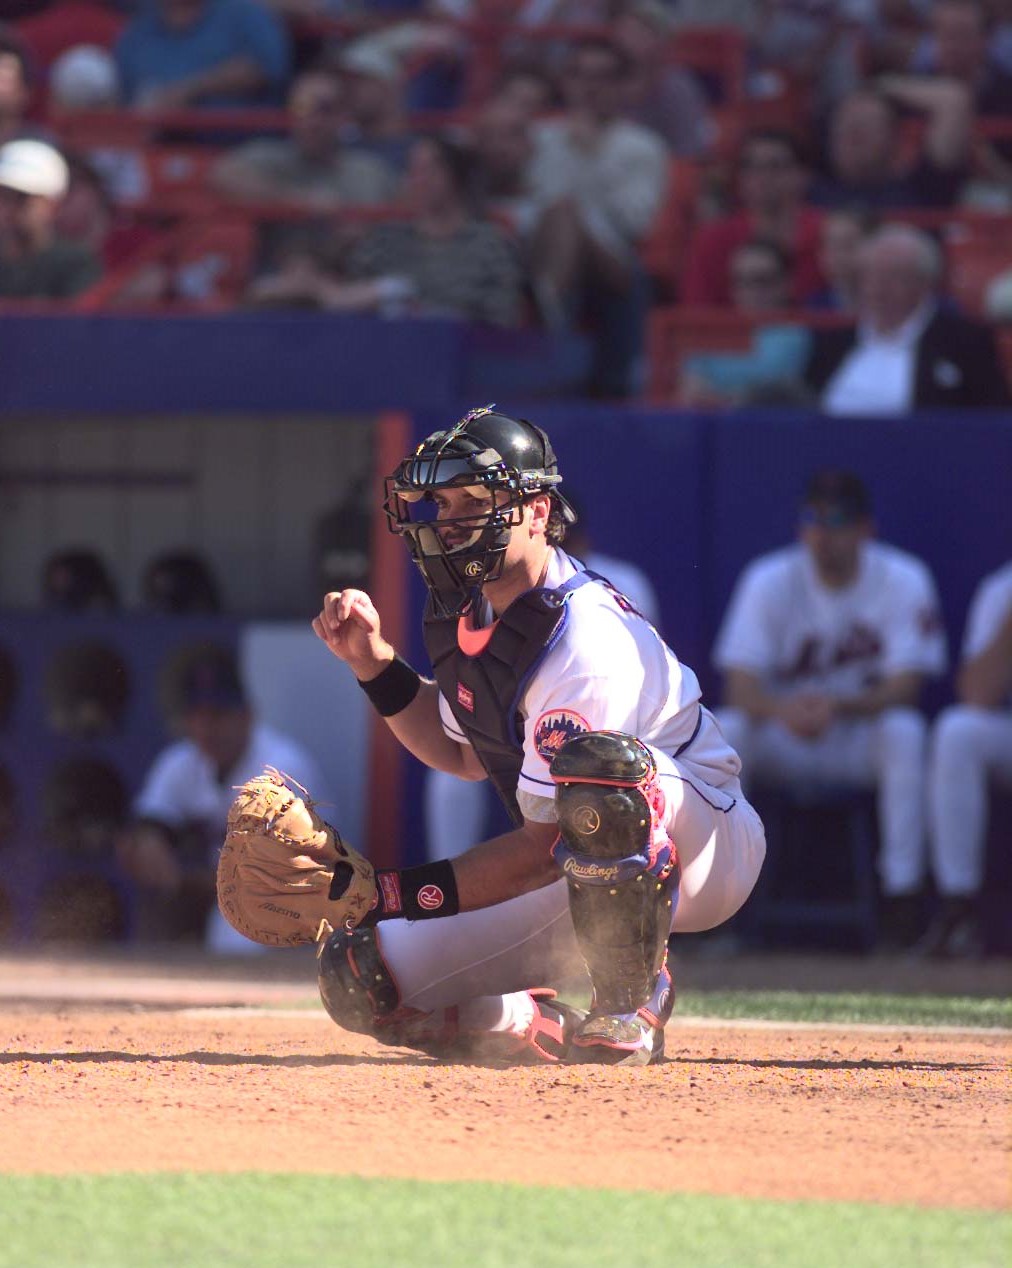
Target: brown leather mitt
(284, 876)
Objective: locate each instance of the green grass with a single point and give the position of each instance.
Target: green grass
(838, 1007)
(845, 1007)
(263, 1221)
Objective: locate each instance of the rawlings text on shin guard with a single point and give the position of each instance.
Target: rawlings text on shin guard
(619, 863)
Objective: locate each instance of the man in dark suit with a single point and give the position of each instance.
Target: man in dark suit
(907, 350)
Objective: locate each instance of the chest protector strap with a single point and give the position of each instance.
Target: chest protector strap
(484, 684)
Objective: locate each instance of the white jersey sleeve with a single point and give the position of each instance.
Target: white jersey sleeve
(989, 608)
(750, 635)
(167, 794)
(604, 683)
(914, 635)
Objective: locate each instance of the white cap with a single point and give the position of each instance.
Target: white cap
(84, 78)
(33, 167)
(362, 58)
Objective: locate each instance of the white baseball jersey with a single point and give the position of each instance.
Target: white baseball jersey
(989, 608)
(610, 670)
(632, 581)
(182, 785)
(784, 625)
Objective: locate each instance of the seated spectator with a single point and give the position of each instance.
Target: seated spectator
(771, 182)
(180, 583)
(907, 350)
(84, 77)
(503, 147)
(598, 180)
(824, 649)
(373, 104)
(840, 238)
(759, 283)
(958, 47)
(971, 744)
(866, 167)
(661, 95)
(170, 850)
(179, 53)
(529, 87)
(443, 262)
(35, 262)
(309, 168)
(817, 42)
(89, 217)
(15, 93)
(78, 581)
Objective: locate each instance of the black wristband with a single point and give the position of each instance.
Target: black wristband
(393, 689)
(416, 893)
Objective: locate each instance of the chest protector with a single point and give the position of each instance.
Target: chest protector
(485, 685)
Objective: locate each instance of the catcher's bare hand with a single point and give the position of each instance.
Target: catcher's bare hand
(350, 626)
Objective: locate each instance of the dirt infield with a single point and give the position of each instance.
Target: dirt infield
(122, 1065)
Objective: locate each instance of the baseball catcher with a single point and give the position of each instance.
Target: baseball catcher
(628, 817)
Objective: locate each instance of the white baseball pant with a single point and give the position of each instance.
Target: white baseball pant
(887, 752)
(968, 747)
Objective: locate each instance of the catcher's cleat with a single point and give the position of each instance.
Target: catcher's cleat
(551, 1032)
(626, 1038)
(617, 1040)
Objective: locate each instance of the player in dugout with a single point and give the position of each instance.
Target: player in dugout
(629, 817)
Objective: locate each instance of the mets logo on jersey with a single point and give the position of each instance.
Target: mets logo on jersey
(554, 728)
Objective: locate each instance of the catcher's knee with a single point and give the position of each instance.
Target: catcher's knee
(357, 988)
(620, 866)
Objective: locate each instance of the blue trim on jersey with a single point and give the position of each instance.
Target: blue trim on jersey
(695, 731)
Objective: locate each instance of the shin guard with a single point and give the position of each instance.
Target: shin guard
(621, 868)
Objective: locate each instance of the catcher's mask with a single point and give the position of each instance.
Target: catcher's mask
(502, 462)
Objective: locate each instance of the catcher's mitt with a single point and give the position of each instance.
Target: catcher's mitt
(284, 876)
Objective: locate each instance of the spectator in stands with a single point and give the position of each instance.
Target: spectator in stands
(661, 95)
(759, 283)
(441, 262)
(865, 155)
(824, 649)
(842, 233)
(170, 850)
(78, 581)
(599, 181)
(971, 744)
(373, 104)
(89, 217)
(503, 148)
(180, 583)
(35, 262)
(771, 182)
(309, 168)
(179, 53)
(529, 87)
(817, 43)
(907, 350)
(84, 77)
(15, 93)
(959, 48)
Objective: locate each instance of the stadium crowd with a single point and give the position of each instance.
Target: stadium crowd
(710, 192)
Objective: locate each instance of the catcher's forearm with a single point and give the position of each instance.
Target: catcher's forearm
(409, 704)
(490, 873)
